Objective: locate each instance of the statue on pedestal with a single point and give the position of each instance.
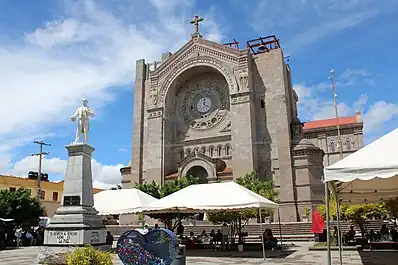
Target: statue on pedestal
(83, 114)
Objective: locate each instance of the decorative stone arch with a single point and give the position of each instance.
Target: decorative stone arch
(183, 66)
(203, 150)
(228, 150)
(348, 144)
(219, 150)
(332, 147)
(198, 162)
(211, 151)
(188, 151)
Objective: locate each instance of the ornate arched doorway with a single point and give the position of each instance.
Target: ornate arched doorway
(199, 172)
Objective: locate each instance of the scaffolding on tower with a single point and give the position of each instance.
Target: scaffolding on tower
(263, 44)
(234, 44)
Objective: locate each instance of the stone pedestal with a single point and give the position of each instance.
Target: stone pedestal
(76, 222)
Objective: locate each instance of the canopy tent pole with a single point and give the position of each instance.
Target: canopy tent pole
(280, 229)
(339, 229)
(262, 235)
(329, 253)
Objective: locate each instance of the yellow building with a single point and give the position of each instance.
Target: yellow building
(51, 192)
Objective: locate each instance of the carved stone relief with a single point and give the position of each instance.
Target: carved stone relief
(211, 150)
(243, 79)
(153, 95)
(197, 61)
(203, 102)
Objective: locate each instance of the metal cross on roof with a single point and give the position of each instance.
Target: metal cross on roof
(195, 21)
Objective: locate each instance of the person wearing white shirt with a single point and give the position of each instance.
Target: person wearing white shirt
(225, 230)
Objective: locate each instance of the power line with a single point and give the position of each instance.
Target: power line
(40, 155)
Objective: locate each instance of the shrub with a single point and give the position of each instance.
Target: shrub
(88, 255)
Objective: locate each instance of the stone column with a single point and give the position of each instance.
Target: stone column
(153, 151)
(242, 134)
(138, 126)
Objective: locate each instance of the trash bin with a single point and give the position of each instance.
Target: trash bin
(181, 257)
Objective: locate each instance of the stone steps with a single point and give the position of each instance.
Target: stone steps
(289, 230)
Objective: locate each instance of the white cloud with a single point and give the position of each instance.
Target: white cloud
(379, 113)
(361, 102)
(86, 54)
(104, 176)
(313, 107)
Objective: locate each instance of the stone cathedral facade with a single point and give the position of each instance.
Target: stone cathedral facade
(219, 112)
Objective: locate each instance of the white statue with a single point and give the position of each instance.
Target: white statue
(83, 114)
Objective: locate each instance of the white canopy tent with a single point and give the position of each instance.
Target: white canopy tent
(123, 201)
(226, 196)
(369, 174)
(366, 176)
(214, 197)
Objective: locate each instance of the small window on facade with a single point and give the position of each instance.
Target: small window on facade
(262, 103)
(227, 150)
(211, 151)
(13, 189)
(332, 147)
(42, 195)
(219, 150)
(55, 196)
(348, 145)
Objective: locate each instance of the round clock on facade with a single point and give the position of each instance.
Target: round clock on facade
(204, 105)
(204, 102)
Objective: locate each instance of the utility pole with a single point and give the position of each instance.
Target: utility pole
(340, 146)
(40, 155)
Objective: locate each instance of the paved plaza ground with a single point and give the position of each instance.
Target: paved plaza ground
(294, 255)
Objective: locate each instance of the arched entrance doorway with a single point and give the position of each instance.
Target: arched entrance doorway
(199, 172)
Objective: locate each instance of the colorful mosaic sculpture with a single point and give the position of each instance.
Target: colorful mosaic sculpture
(157, 247)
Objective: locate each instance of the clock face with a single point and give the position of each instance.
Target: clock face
(203, 102)
(203, 105)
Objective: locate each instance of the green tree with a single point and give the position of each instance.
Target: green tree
(357, 213)
(362, 212)
(332, 209)
(392, 207)
(238, 220)
(168, 188)
(20, 206)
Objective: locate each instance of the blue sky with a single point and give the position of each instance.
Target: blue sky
(53, 53)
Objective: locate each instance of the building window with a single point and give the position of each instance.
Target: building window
(332, 147)
(42, 195)
(13, 189)
(211, 151)
(262, 103)
(55, 196)
(219, 150)
(348, 145)
(227, 150)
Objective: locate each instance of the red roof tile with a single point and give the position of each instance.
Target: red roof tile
(333, 122)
